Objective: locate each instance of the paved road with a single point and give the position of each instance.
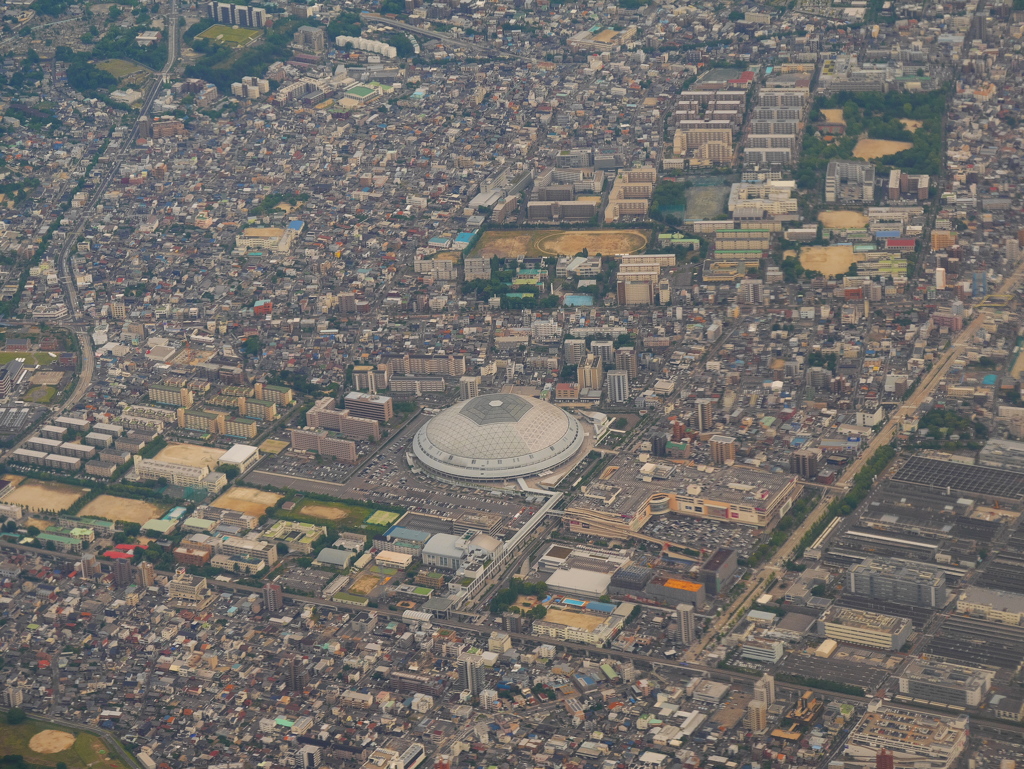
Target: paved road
(925, 387)
(472, 45)
(65, 264)
(593, 651)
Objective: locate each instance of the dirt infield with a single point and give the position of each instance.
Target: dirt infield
(121, 509)
(843, 220)
(869, 149)
(911, 125)
(188, 454)
(51, 741)
(248, 501)
(828, 260)
(44, 495)
(595, 241)
(327, 512)
(833, 115)
(534, 243)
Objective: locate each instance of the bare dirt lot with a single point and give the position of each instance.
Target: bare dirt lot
(364, 584)
(121, 509)
(44, 495)
(911, 125)
(869, 149)
(188, 454)
(843, 220)
(828, 260)
(51, 741)
(248, 501)
(833, 115)
(534, 243)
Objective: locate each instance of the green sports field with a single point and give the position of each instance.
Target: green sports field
(230, 36)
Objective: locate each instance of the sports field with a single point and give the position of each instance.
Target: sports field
(229, 36)
(840, 220)
(190, 455)
(30, 358)
(382, 518)
(534, 243)
(122, 509)
(120, 68)
(334, 511)
(245, 500)
(41, 394)
(869, 149)
(44, 495)
(43, 744)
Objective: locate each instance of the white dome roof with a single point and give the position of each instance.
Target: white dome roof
(493, 437)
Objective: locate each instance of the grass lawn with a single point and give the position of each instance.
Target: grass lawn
(30, 358)
(120, 68)
(383, 518)
(41, 394)
(87, 752)
(230, 36)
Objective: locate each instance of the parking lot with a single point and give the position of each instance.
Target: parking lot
(700, 534)
(387, 477)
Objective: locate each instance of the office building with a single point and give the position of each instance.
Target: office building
(90, 568)
(379, 407)
(14, 696)
(575, 350)
(865, 628)
(723, 449)
(188, 591)
(993, 605)
(719, 569)
(898, 581)
(273, 597)
(805, 463)
(231, 15)
(471, 673)
(756, 719)
(308, 757)
(590, 373)
(849, 181)
(703, 415)
(915, 738)
(603, 349)
(124, 573)
(948, 683)
(324, 443)
(751, 291)
(295, 673)
(145, 574)
(469, 387)
(687, 619)
(172, 396)
(618, 386)
(626, 359)
(310, 39)
(764, 690)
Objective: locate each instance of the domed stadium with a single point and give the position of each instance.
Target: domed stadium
(497, 437)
